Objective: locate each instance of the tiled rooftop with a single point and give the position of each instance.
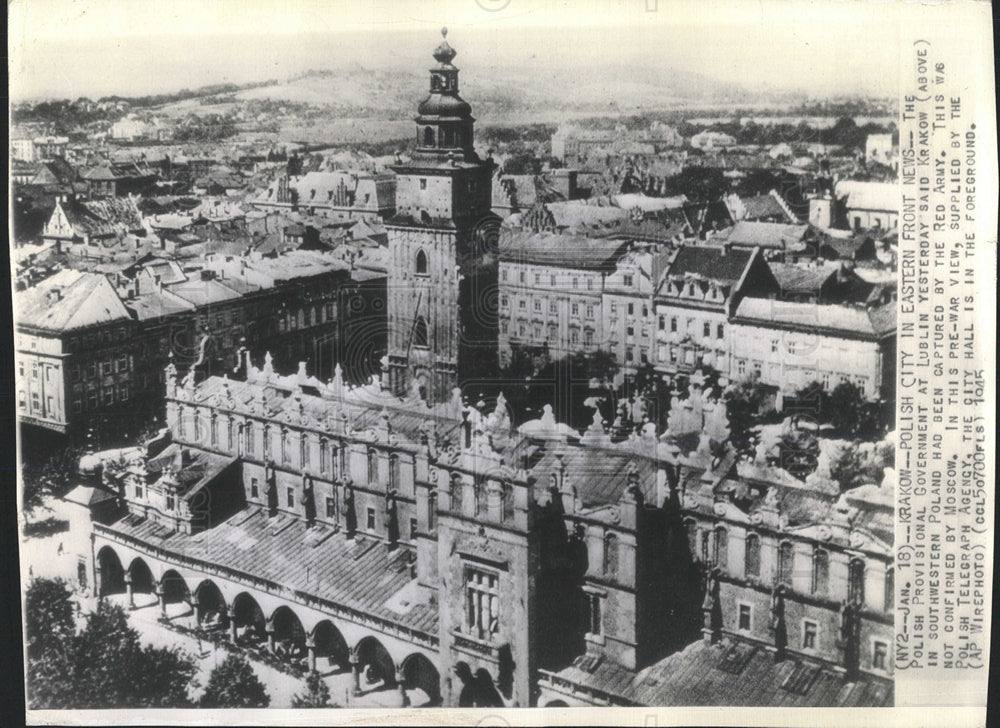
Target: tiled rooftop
(362, 575)
(730, 673)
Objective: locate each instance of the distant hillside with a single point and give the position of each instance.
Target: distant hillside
(493, 92)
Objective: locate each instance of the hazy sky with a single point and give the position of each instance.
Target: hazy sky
(70, 48)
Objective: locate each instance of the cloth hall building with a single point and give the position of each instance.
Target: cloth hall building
(431, 547)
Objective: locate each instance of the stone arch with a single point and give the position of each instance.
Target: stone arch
(329, 644)
(111, 573)
(175, 588)
(289, 635)
(420, 673)
(375, 663)
(251, 625)
(142, 576)
(421, 262)
(212, 607)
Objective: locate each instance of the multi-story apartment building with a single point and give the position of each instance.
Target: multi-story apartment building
(73, 350)
(697, 295)
(304, 306)
(551, 289)
(627, 303)
(790, 344)
(455, 560)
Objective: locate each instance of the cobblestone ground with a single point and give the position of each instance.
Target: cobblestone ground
(41, 557)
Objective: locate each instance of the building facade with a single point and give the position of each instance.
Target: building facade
(73, 351)
(446, 556)
(697, 295)
(551, 288)
(790, 344)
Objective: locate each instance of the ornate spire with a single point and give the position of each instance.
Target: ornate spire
(444, 53)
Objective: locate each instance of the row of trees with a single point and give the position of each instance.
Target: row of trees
(104, 664)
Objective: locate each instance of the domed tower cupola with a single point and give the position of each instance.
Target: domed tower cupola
(445, 122)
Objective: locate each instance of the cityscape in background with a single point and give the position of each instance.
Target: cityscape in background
(457, 405)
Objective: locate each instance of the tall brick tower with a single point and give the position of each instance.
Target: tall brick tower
(442, 269)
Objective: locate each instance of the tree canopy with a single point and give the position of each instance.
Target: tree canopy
(233, 684)
(104, 665)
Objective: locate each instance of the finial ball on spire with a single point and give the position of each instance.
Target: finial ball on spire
(444, 32)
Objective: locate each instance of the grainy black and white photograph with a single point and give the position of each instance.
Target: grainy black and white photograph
(459, 353)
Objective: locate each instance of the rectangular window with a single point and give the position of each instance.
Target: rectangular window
(821, 571)
(575, 309)
(673, 324)
(596, 622)
(752, 558)
(880, 651)
(627, 280)
(331, 509)
(482, 603)
(720, 331)
(254, 488)
(774, 346)
(370, 522)
(538, 305)
(170, 503)
(809, 635)
(745, 617)
(413, 528)
(706, 330)
(552, 307)
(138, 491)
(423, 184)
(290, 497)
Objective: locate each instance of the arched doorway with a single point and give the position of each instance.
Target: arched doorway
(142, 582)
(111, 576)
(332, 653)
(419, 673)
(211, 607)
(250, 622)
(175, 591)
(289, 636)
(378, 671)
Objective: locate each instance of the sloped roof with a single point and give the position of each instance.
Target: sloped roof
(729, 673)
(869, 195)
(157, 303)
(853, 320)
(600, 475)
(649, 204)
(561, 250)
(362, 576)
(105, 217)
(762, 206)
(576, 214)
(711, 263)
(78, 299)
(765, 234)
